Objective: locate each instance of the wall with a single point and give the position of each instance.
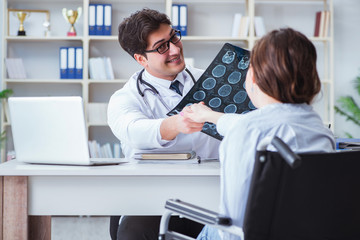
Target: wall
(347, 62)
(1, 47)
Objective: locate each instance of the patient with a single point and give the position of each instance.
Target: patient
(281, 82)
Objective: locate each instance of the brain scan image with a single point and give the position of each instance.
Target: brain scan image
(234, 77)
(209, 83)
(240, 97)
(221, 86)
(199, 95)
(219, 71)
(228, 57)
(224, 90)
(215, 102)
(244, 63)
(231, 108)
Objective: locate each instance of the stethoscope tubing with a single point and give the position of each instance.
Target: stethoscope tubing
(153, 90)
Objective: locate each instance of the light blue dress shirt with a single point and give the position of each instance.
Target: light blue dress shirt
(298, 125)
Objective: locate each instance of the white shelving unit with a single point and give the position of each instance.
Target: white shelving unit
(209, 27)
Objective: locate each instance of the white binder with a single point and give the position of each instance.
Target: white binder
(183, 19)
(92, 20)
(175, 16)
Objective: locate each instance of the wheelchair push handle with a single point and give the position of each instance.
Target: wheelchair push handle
(286, 153)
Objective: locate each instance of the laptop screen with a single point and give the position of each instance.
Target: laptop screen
(49, 130)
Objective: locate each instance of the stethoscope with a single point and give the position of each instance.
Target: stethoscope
(154, 91)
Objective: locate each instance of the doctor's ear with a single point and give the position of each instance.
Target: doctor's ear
(141, 59)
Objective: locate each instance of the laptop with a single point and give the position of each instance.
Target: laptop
(51, 130)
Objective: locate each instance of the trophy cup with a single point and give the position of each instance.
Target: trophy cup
(21, 16)
(71, 16)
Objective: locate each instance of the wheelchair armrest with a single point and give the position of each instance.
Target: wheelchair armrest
(197, 213)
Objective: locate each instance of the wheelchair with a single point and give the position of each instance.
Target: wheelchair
(292, 196)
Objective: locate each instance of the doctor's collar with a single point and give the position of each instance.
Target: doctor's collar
(163, 82)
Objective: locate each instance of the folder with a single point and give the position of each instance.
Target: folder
(347, 143)
(183, 19)
(99, 19)
(175, 16)
(63, 62)
(79, 63)
(92, 19)
(107, 19)
(71, 62)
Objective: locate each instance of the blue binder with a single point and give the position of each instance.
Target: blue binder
(78, 62)
(107, 19)
(71, 62)
(63, 62)
(183, 19)
(99, 19)
(92, 19)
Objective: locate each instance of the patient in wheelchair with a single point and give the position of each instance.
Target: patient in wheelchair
(282, 82)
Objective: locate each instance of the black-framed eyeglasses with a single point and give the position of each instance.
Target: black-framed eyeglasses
(174, 39)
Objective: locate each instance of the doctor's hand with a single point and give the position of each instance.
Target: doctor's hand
(172, 126)
(199, 112)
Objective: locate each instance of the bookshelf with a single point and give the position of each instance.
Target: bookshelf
(209, 27)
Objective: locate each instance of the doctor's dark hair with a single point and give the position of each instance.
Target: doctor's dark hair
(134, 30)
(284, 66)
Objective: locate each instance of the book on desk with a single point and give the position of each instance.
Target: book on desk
(165, 157)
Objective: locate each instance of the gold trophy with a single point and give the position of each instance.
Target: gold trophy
(71, 16)
(21, 16)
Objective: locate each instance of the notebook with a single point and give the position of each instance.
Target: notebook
(51, 130)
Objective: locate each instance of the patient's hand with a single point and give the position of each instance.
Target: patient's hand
(199, 112)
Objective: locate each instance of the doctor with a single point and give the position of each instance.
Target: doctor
(137, 112)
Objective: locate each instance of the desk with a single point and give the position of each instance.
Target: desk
(125, 189)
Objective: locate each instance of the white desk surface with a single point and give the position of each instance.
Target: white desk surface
(16, 168)
(125, 189)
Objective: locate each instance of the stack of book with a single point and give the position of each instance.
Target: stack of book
(101, 68)
(322, 22)
(100, 19)
(15, 68)
(240, 26)
(104, 151)
(164, 157)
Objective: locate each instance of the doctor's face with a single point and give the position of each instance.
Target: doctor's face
(171, 62)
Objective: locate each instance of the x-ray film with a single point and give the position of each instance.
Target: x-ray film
(221, 86)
